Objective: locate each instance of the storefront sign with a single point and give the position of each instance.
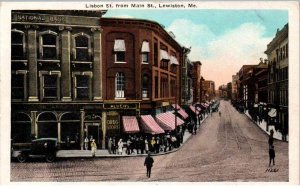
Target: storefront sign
(165, 104)
(37, 18)
(120, 106)
(112, 120)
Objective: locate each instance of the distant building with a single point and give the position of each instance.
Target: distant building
(209, 90)
(278, 57)
(234, 88)
(187, 91)
(196, 81)
(244, 92)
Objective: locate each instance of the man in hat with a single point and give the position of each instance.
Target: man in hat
(148, 163)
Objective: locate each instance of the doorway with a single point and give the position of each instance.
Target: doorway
(94, 129)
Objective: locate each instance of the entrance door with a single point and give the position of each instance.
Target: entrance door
(94, 130)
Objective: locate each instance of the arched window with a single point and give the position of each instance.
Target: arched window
(119, 85)
(81, 47)
(48, 45)
(47, 125)
(17, 44)
(20, 128)
(145, 86)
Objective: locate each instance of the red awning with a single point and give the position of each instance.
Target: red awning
(180, 111)
(167, 121)
(130, 124)
(183, 113)
(194, 110)
(149, 125)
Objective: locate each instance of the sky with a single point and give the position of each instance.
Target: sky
(223, 40)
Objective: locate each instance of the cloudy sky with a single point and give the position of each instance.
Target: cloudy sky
(223, 40)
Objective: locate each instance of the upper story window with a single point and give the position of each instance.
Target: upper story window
(81, 47)
(18, 85)
(82, 85)
(145, 52)
(48, 45)
(17, 44)
(119, 51)
(50, 85)
(146, 85)
(119, 85)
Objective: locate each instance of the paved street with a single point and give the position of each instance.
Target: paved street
(226, 148)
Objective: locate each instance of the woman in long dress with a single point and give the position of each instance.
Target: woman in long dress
(120, 147)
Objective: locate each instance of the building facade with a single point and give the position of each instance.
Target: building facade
(196, 80)
(234, 87)
(76, 74)
(209, 90)
(278, 57)
(186, 79)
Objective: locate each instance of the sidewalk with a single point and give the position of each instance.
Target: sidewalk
(103, 153)
(263, 126)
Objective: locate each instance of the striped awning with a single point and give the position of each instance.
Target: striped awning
(119, 45)
(164, 55)
(149, 125)
(167, 121)
(176, 106)
(194, 110)
(173, 60)
(130, 124)
(183, 113)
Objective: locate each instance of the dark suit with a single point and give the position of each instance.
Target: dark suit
(148, 163)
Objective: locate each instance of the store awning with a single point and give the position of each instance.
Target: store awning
(194, 110)
(164, 55)
(272, 112)
(130, 124)
(167, 121)
(173, 60)
(145, 47)
(183, 113)
(176, 105)
(150, 126)
(119, 45)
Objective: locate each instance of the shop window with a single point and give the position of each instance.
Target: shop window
(48, 45)
(81, 47)
(17, 44)
(119, 51)
(18, 86)
(119, 85)
(49, 82)
(47, 125)
(20, 128)
(145, 89)
(70, 128)
(82, 86)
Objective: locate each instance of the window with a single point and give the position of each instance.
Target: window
(82, 47)
(145, 89)
(155, 53)
(120, 85)
(287, 50)
(49, 82)
(17, 44)
(119, 51)
(18, 85)
(48, 45)
(82, 87)
(145, 52)
(156, 85)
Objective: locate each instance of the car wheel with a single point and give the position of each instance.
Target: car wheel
(22, 158)
(50, 158)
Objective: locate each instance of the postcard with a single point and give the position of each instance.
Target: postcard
(150, 91)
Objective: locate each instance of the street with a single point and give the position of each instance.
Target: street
(229, 147)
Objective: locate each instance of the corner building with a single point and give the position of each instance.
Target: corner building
(76, 74)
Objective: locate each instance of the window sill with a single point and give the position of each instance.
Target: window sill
(49, 60)
(121, 62)
(146, 99)
(145, 63)
(120, 98)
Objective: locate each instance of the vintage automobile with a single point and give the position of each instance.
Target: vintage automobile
(39, 148)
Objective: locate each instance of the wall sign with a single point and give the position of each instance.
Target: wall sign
(35, 18)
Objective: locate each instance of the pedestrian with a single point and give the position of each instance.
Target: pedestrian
(195, 129)
(271, 155)
(146, 145)
(91, 140)
(271, 139)
(142, 145)
(68, 142)
(109, 145)
(220, 113)
(153, 142)
(86, 143)
(148, 163)
(157, 144)
(128, 146)
(113, 145)
(120, 146)
(93, 147)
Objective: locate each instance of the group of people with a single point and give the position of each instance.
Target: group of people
(144, 144)
(90, 144)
